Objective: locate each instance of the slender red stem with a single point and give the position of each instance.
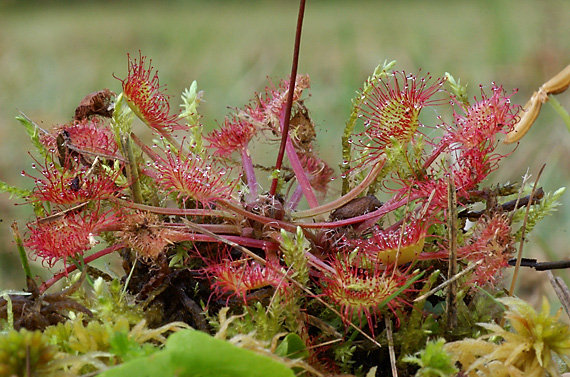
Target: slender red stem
(292, 80)
(261, 219)
(48, 283)
(243, 241)
(366, 182)
(387, 207)
(300, 174)
(173, 211)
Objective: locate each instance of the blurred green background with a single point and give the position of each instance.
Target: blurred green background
(54, 53)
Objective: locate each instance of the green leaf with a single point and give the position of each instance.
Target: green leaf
(377, 75)
(292, 347)
(560, 110)
(191, 99)
(191, 353)
(127, 348)
(14, 191)
(122, 120)
(32, 130)
(459, 90)
(547, 205)
(434, 361)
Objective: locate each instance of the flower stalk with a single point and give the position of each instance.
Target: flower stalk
(287, 114)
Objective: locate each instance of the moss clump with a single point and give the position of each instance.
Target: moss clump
(24, 353)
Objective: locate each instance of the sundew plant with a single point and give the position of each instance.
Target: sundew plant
(226, 274)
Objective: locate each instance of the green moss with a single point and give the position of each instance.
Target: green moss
(24, 353)
(433, 361)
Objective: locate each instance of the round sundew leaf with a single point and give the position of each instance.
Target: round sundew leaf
(408, 253)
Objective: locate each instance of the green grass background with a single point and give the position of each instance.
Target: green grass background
(54, 53)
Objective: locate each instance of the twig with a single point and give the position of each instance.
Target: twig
(506, 207)
(60, 214)
(541, 266)
(96, 154)
(451, 308)
(172, 211)
(448, 281)
(519, 256)
(324, 327)
(391, 351)
(32, 122)
(561, 290)
(323, 344)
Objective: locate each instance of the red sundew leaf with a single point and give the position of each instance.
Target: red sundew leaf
(481, 122)
(364, 290)
(147, 99)
(318, 171)
(67, 235)
(491, 242)
(275, 99)
(391, 110)
(71, 184)
(238, 277)
(193, 177)
(234, 135)
(384, 245)
(92, 136)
